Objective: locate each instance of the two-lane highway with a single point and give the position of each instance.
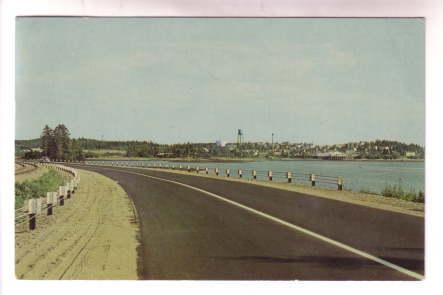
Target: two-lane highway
(201, 228)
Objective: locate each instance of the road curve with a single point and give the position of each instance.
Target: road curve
(187, 234)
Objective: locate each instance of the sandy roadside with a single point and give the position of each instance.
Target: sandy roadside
(363, 199)
(94, 236)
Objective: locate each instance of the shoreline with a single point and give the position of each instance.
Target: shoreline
(249, 160)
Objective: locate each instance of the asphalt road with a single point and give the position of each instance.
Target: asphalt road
(189, 234)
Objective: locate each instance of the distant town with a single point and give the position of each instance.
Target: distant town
(57, 144)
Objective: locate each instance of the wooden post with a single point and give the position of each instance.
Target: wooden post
(270, 175)
(207, 170)
(289, 175)
(32, 209)
(340, 183)
(216, 171)
(61, 195)
(228, 172)
(313, 179)
(68, 190)
(197, 169)
(240, 173)
(49, 199)
(254, 174)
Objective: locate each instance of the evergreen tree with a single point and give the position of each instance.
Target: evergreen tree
(47, 142)
(62, 142)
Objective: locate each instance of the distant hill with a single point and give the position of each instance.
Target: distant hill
(27, 144)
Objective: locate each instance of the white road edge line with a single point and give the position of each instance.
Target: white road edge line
(292, 226)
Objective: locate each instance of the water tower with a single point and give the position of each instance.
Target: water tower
(239, 137)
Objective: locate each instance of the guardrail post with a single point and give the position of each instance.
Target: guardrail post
(270, 175)
(216, 171)
(197, 169)
(340, 183)
(207, 170)
(32, 209)
(289, 175)
(49, 199)
(61, 195)
(240, 173)
(68, 190)
(313, 179)
(228, 172)
(254, 174)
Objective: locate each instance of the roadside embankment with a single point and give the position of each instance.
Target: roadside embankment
(93, 236)
(358, 198)
(50, 180)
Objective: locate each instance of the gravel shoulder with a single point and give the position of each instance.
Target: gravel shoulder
(94, 236)
(363, 199)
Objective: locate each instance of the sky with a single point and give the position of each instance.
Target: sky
(174, 80)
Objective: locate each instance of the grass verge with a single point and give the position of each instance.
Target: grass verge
(49, 181)
(397, 192)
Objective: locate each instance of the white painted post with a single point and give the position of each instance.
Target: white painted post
(32, 209)
(216, 171)
(313, 179)
(198, 169)
(61, 195)
(240, 173)
(340, 183)
(270, 175)
(228, 172)
(289, 175)
(49, 203)
(254, 174)
(68, 190)
(207, 170)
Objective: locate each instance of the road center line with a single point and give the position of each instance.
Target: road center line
(289, 225)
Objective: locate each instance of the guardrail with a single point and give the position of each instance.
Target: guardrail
(269, 175)
(37, 206)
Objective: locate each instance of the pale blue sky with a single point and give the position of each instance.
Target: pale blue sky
(177, 80)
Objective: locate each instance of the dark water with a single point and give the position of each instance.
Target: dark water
(358, 175)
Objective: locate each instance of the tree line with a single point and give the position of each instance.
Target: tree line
(56, 144)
